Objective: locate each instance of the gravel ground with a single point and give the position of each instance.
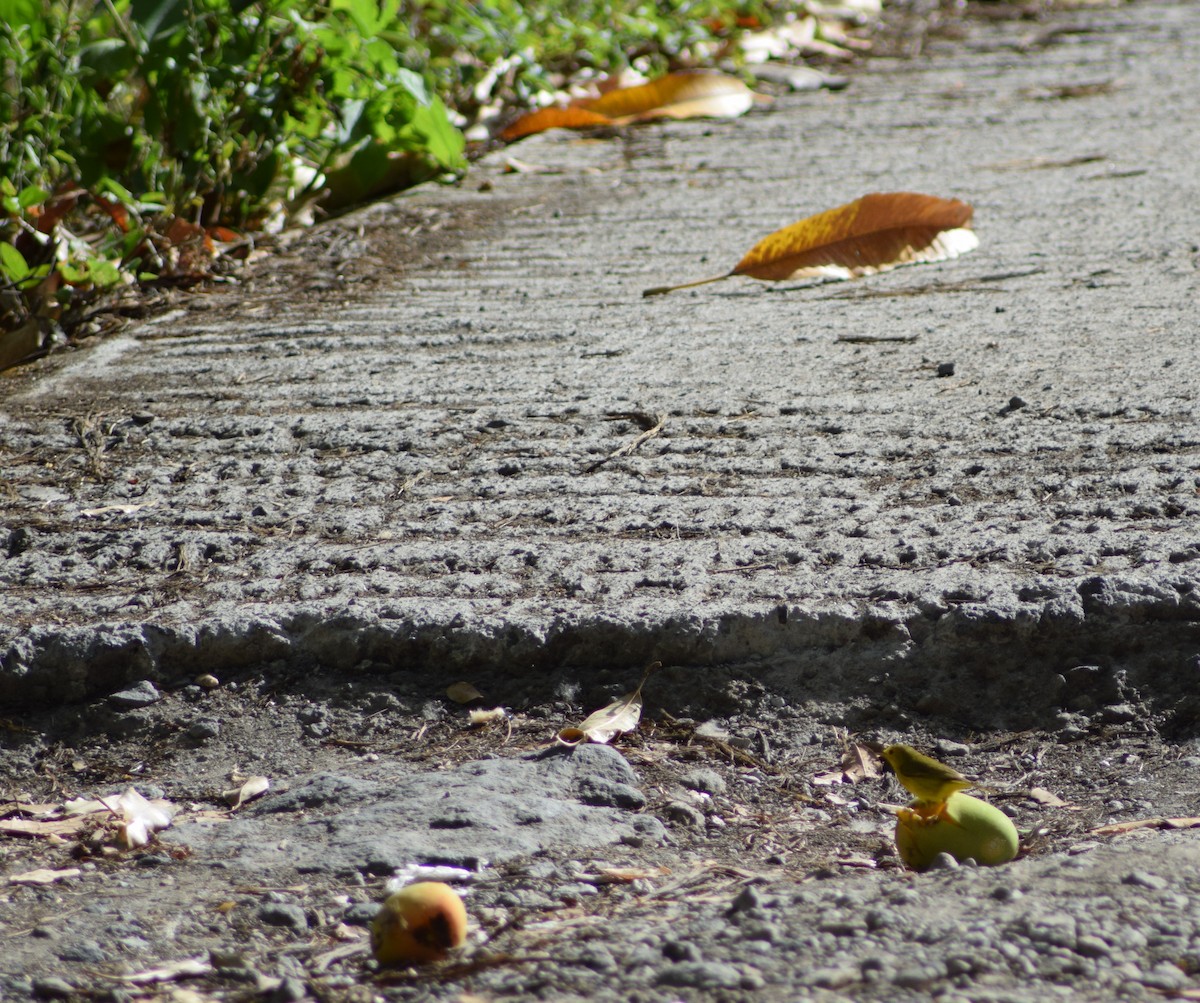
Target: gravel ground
(955, 505)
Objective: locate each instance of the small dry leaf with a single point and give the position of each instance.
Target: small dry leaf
(872, 234)
(479, 718)
(624, 875)
(860, 763)
(617, 718)
(187, 968)
(252, 788)
(43, 827)
(43, 876)
(463, 693)
(1120, 828)
(693, 94)
(603, 726)
(1048, 798)
(91, 513)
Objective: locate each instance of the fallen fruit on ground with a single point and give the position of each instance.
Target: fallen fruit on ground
(872, 234)
(967, 828)
(419, 923)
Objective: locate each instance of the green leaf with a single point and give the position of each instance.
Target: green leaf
(444, 143)
(152, 17)
(13, 264)
(18, 13)
(104, 273)
(32, 195)
(368, 15)
(75, 274)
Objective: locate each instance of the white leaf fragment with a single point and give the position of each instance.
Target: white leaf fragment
(139, 817)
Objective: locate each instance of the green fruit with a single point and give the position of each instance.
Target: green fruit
(969, 827)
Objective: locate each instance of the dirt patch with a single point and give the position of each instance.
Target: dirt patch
(740, 811)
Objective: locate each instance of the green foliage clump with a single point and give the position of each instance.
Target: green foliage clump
(134, 133)
(141, 112)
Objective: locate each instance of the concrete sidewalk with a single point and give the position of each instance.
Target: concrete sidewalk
(936, 488)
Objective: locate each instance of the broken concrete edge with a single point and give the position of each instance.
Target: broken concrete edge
(965, 659)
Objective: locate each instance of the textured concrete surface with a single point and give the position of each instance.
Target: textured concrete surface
(939, 488)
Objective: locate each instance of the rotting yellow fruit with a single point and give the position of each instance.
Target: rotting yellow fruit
(966, 827)
(419, 923)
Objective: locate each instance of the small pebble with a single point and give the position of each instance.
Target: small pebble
(708, 781)
(746, 899)
(700, 975)
(204, 729)
(289, 991)
(52, 988)
(283, 914)
(684, 814)
(1143, 879)
(681, 950)
(87, 951)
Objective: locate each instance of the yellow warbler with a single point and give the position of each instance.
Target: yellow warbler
(924, 777)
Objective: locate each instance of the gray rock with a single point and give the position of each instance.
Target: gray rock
(708, 781)
(141, 694)
(283, 914)
(50, 987)
(86, 951)
(489, 810)
(680, 813)
(700, 975)
(1144, 879)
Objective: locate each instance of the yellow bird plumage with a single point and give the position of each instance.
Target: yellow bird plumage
(923, 776)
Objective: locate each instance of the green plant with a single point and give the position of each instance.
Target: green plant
(118, 119)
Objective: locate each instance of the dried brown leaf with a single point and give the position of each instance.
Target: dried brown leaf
(860, 763)
(250, 789)
(1120, 828)
(48, 827)
(689, 94)
(463, 693)
(872, 234)
(614, 719)
(187, 968)
(1048, 798)
(605, 724)
(572, 117)
(43, 876)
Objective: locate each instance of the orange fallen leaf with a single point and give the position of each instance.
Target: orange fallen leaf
(693, 94)
(688, 94)
(872, 234)
(553, 118)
